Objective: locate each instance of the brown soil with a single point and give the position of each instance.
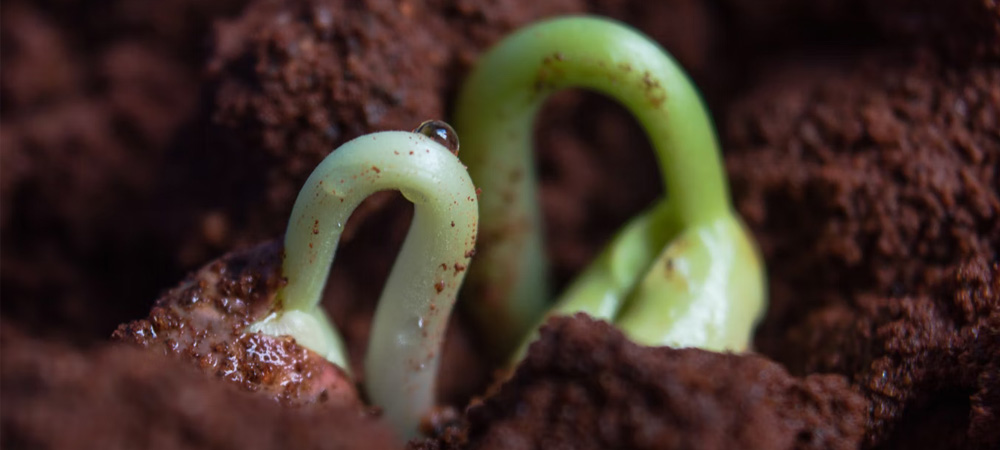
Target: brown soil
(118, 397)
(866, 168)
(92, 93)
(203, 321)
(873, 190)
(584, 385)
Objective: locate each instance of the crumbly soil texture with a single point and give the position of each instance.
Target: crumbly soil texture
(148, 150)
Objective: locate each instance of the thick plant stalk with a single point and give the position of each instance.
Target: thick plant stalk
(413, 310)
(495, 116)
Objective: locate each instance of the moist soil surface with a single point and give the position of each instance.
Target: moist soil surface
(140, 143)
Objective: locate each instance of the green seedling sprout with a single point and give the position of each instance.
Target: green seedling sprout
(413, 310)
(686, 273)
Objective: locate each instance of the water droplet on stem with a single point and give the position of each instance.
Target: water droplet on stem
(441, 132)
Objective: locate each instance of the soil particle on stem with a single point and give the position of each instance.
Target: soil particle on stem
(873, 190)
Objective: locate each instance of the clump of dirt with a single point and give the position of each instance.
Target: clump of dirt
(203, 321)
(927, 361)
(119, 397)
(584, 385)
(873, 191)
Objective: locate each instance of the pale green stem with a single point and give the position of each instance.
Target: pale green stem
(495, 117)
(402, 359)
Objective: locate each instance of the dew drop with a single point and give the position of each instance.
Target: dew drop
(441, 132)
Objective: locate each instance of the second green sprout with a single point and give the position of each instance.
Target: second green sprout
(685, 273)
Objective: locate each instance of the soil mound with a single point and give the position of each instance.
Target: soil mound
(120, 397)
(584, 385)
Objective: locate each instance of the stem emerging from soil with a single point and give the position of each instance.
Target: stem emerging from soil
(495, 115)
(409, 325)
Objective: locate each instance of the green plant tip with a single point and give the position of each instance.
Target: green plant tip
(684, 274)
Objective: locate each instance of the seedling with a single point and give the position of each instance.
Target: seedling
(413, 310)
(685, 273)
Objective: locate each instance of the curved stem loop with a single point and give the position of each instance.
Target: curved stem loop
(495, 116)
(413, 310)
